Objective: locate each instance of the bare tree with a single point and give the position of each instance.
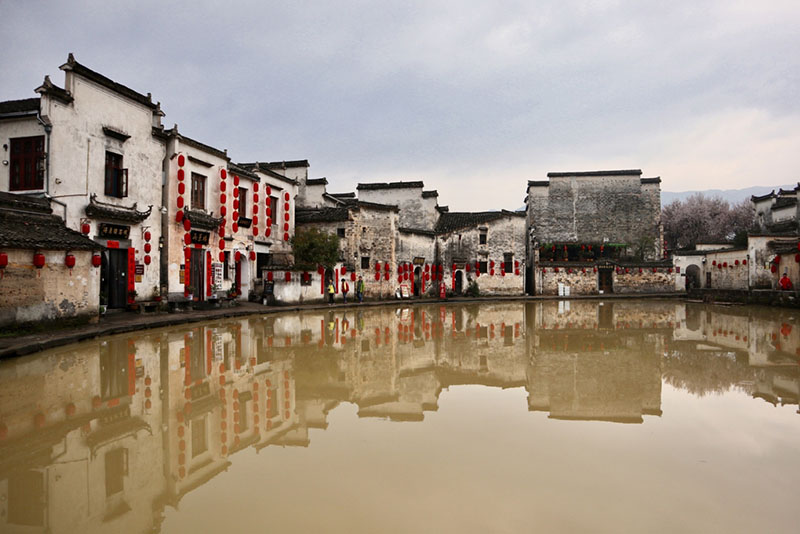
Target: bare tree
(700, 218)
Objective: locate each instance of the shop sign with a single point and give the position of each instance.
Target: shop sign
(117, 231)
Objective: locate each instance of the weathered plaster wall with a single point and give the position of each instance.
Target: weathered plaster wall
(28, 294)
(415, 211)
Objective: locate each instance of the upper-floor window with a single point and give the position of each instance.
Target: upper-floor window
(116, 468)
(340, 232)
(27, 163)
(483, 266)
(273, 209)
(198, 191)
(508, 261)
(482, 238)
(199, 436)
(365, 262)
(242, 202)
(116, 176)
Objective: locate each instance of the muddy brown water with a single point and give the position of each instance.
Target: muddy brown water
(623, 416)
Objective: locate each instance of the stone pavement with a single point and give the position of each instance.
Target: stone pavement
(118, 323)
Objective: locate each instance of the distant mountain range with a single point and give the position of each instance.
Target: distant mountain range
(734, 196)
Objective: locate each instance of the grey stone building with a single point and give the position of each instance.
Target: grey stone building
(602, 226)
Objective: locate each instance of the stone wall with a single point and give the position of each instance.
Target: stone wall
(28, 294)
(613, 208)
(585, 279)
(415, 211)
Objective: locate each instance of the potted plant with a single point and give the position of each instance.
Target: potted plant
(189, 292)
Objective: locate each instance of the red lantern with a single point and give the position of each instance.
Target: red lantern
(386, 276)
(255, 231)
(181, 188)
(147, 259)
(774, 269)
(468, 267)
(285, 206)
(148, 247)
(399, 278)
(353, 276)
(320, 270)
(179, 216)
(386, 267)
(286, 216)
(238, 256)
(255, 187)
(286, 197)
(744, 262)
(222, 257)
(268, 232)
(377, 276)
(187, 239)
(714, 262)
(187, 225)
(252, 255)
(222, 244)
(223, 173)
(179, 203)
(147, 235)
(38, 260)
(235, 181)
(269, 276)
(181, 160)
(737, 261)
(288, 276)
(181, 175)
(286, 236)
(344, 269)
(69, 260)
(96, 260)
(269, 190)
(223, 186)
(85, 228)
(235, 227)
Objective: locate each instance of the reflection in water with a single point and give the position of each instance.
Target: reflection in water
(112, 434)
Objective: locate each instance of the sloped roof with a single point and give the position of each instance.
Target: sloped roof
(784, 202)
(267, 169)
(316, 181)
(374, 186)
(454, 220)
(28, 223)
(322, 215)
(19, 107)
(621, 172)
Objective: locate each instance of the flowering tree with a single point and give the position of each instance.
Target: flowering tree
(700, 218)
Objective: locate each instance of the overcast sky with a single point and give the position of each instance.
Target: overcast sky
(473, 97)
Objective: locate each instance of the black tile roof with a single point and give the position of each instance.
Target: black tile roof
(108, 83)
(173, 132)
(451, 221)
(316, 181)
(50, 89)
(26, 223)
(266, 169)
(430, 194)
(322, 215)
(373, 186)
(758, 198)
(372, 205)
(20, 107)
(656, 180)
(623, 172)
(286, 164)
(112, 212)
(784, 202)
(418, 231)
(25, 203)
(202, 220)
(343, 195)
(538, 183)
(242, 170)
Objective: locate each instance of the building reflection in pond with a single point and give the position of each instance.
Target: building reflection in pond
(103, 435)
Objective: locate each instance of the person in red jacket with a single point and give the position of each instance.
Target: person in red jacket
(345, 288)
(785, 283)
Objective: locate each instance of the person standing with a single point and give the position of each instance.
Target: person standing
(785, 282)
(345, 288)
(360, 290)
(331, 291)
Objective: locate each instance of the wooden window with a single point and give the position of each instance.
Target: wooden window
(27, 163)
(273, 207)
(508, 261)
(116, 177)
(340, 232)
(482, 239)
(483, 266)
(226, 266)
(198, 191)
(365, 262)
(242, 202)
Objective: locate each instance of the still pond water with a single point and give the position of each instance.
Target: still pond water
(624, 416)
